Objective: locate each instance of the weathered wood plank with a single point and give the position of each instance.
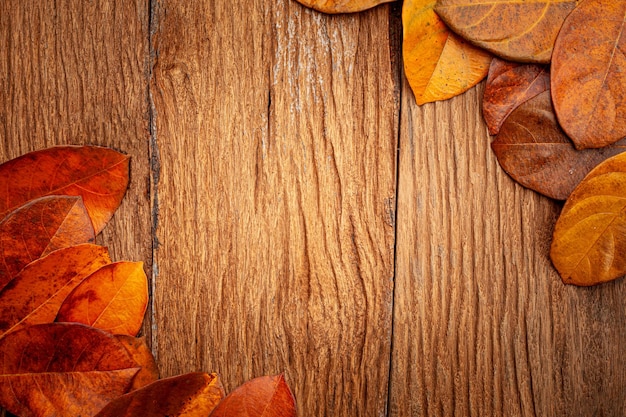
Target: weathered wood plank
(483, 326)
(75, 72)
(276, 128)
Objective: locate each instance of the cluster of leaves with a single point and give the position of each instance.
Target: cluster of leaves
(555, 97)
(69, 316)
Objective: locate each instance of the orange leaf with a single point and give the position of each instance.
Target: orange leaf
(62, 369)
(113, 299)
(189, 395)
(438, 64)
(510, 84)
(267, 396)
(589, 241)
(342, 6)
(35, 295)
(522, 31)
(141, 353)
(99, 175)
(588, 74)
(38, 228)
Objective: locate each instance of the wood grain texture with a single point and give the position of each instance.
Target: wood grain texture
(276, 128)
(483, 325)
(75, 72)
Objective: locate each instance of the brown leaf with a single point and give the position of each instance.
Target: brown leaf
(588, 75)
(189, 395)
(342, 6)
(266, 396)
(589, 241)
(437, 63)
(521, 31)
(62, 369)
(35, 295)
(534, 151)
(38, 228)
(99, 175)
(113, 299)
(142, 355)
(510, 84)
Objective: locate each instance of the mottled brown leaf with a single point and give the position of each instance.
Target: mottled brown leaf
(510, 84)
(113, 299)
(437, 63)
(35, 295)
(266, 396)
(589, 241)
(38, 228)
(522, 31)
(588, 74)
(341, 6)
(142, 355)
(189, 395)
(535, 152)
(62, 369)
(99, 175)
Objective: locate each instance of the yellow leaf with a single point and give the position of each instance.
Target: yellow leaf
(438, 64)
(589, 241)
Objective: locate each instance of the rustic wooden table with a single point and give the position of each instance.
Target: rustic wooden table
(298, 213)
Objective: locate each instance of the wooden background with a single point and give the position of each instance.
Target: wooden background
(298, 213)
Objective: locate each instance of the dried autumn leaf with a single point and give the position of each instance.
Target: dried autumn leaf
(62, 369)
(510, 84)
(522, 31)
(437, 64)
(35, 295)
(142, 355)
(588, 74)
(113, 299)
(99, 175)
(38, 228)
(589, 240)
(341, 6)
(534, 151)
(189, 395)
(266, 396)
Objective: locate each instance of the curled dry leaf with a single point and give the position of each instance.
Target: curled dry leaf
(510, 84)
(522, 31)
(535, 152)
(35, 295)
(62, 369)
(589, 241)
(189, 395)
(142, 355)
(342, 6)
(588, 74)
(113, 299)
(99, 175)
(266, 396)
(38, 228)
(438, 64)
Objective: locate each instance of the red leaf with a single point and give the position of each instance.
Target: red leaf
(62, 369)
(267, 396)
(38, 228)
(99, 175)
(190, 395)
(510, 84)
(35, 295)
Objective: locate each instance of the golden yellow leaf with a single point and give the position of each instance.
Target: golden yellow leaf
(589, 241)
(438, 64)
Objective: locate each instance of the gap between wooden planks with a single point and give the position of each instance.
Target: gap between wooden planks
(270, 133)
